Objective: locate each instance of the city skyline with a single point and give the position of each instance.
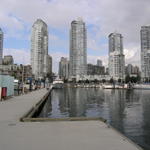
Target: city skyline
(16, 22)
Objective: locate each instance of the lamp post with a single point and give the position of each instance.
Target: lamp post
(22, 79)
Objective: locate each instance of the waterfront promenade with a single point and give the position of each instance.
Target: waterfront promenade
(55, 135)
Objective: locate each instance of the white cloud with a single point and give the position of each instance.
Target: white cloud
(91, 44)
(53, 37)
(109, 15)
(106, 16)
(132, 56)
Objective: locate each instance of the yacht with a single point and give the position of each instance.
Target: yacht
(58, 84)
(108, 86)
(142, 86)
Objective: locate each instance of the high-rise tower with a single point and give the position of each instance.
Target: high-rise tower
(1, 46)
(63, 68)
(39, 49)
(78, 49)
(145, 53)
(116, 56)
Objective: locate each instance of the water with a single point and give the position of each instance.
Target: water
(126, 110)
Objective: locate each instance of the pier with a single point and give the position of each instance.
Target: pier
(54, 135)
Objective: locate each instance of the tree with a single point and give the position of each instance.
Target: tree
(127, 79)
(79, 81)
(139, 77)
(86, 81)
(65, 80)
(111, 80)
(95, 81)
(119, 80)
(103, 80)
(133, 79)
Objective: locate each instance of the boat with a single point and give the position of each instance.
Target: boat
(108, 86)
(58, 84)
(142, 86)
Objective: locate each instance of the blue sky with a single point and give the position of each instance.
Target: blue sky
(102, 17)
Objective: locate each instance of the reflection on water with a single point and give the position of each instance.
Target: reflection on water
(126, 110)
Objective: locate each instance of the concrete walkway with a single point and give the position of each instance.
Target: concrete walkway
(63, 135)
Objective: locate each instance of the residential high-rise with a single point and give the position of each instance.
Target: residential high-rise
(130, 69)
(39, 49)
(1, 46)
(145, 53)
(78, 49)
(64, 68)
(116, 56)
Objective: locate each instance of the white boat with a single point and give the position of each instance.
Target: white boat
(108, 86)
(142, 86)
(58, 84)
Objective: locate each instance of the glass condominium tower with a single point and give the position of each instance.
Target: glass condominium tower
(39, 49)
(1, 46)
(78, 49)
(145, 53)
(116, 56)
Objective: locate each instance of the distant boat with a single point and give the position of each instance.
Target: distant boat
(117, 86)
(108, 86)
(58, 84)
(142, 86)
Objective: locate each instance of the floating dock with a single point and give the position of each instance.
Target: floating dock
(54, 135)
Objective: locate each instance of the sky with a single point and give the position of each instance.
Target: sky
(102, 17)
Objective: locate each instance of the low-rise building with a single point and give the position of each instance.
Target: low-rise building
(6, 86)
(95, 70)
(17, 71)
(99, 62)
(8, 60)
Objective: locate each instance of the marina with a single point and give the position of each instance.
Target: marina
(108, 86)
(74, 75)
(126, 110)
(62, 135)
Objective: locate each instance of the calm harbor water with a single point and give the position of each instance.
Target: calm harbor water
(126, 110)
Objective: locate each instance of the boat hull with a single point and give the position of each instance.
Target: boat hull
(58, 86)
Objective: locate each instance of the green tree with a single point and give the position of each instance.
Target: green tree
(119, 80)
(138, 77)
(86, 81)
(127, 79)
(133, 79)
(111, 80)
(103, 80)
(79, 81)
(95, 81)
